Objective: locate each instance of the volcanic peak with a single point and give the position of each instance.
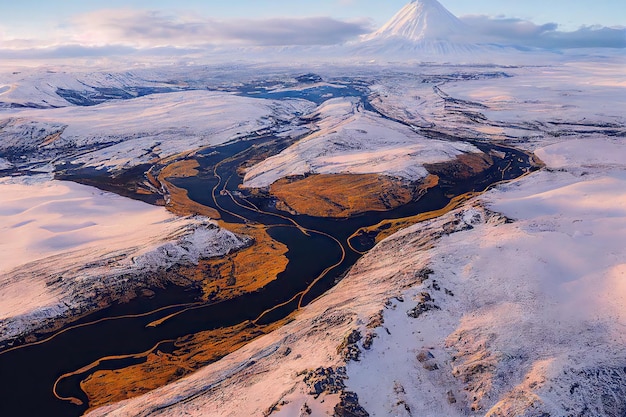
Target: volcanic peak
(421, 20)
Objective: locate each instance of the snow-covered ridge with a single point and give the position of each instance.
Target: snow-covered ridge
(41, 88)
(528, 107)
(123, 134)
(352, 140)
(62, 241)
(514, 341)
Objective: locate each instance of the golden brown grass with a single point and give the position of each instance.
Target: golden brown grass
(194, 351)
(222, 278)
(387, 228)
(343, 195)
(244, 271)
(464, 166)
(180, 203)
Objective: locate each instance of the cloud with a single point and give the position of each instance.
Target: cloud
(126, 32)
(144, 29)
(65, 51)
(587, 37)
(70, 51)
(524, 33)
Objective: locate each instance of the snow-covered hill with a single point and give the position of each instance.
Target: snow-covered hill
(350, 139)
(530, 318)
(120, 134)
(63, 244)
(60, 87)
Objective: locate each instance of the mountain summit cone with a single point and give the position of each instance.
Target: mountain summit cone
(421, 20)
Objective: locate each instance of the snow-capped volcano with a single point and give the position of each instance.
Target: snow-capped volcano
(426, 30)
(421, 20)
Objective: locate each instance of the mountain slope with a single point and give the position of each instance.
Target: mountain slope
(426, 30)
(421, 20)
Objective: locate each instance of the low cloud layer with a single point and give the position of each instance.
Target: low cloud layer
(140, 28)
(129, 31)
(524, 33)
(70, 51)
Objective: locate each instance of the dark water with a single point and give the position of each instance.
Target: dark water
(33, 370)
(28, 374)
(318, 94)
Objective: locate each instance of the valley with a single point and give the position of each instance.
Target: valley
(243, 296)
(312, 216)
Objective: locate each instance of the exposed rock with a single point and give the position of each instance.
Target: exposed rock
(451, 398)
(368, 340)
(376, 320)
(400, 408)
(348, 349)
(425, 355)
(424, 303)
(325, 380)
(423, 274)
(305, 410)
(430, 366)
(398, 388)
(349, 406)
(426, 358)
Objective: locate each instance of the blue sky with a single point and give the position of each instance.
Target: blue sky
(570, 14)
(32, 24)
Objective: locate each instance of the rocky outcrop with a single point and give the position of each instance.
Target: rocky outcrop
(325, 381)
(349, 406)
(348, 349)
(425, 303)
